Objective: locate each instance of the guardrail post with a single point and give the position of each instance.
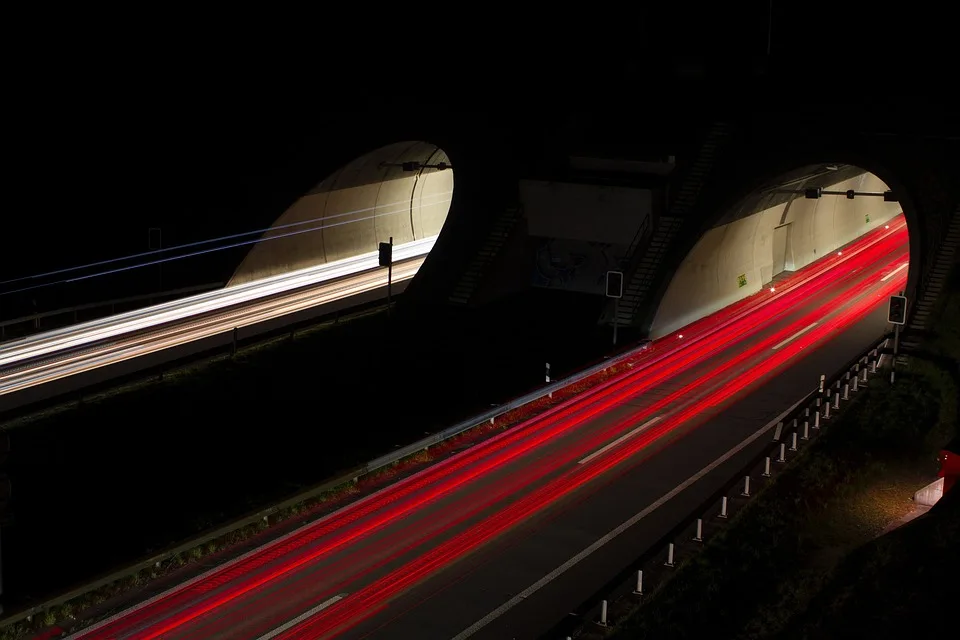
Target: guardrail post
(793, 441)
(836, 401)
(864, 377)
(699, 536)
(746, 487)
(846, 392)
(669, 562)
(603, 613)
(783, 453)
(816, 420)
(639, 590)
(766, 467)
(856, 384)
(873, 366)
(806, 430)
(723, 507)
(826, 412)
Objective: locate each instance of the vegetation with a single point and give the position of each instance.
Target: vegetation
(808, 558)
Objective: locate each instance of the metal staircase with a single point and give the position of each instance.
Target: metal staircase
(471, 278)
(932, 287)
(645, 258)
(645, 270)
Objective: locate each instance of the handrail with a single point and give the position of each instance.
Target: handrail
(637, 239)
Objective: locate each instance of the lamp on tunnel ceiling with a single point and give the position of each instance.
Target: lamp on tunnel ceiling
(815, 193)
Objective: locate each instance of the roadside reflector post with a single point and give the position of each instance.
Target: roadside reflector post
(723, 507)
(816, 420)
(856, 384)
(603, 613)
(846, 392)
(783, 453)
(836, 401)
(806, 430)
(864, 376)
(233, 350)
(669, 562)
(793, 441)
(639, 590)
(699, 536)
(746, 487)
(826, 412)
(766, 467)
(548, 372)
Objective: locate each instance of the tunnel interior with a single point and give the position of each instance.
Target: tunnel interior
(774, 231)
(402, 190)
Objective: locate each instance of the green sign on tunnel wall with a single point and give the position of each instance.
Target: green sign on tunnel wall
(742, 280)
(866, 217)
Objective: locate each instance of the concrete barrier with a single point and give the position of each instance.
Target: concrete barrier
(930, 494)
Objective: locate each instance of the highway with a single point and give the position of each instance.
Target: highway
(43, 358)
(452, 551)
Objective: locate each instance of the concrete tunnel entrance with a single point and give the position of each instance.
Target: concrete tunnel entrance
(400, 190)
(768, 235)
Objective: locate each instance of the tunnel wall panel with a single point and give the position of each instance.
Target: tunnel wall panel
(367, 201)
(735, 260)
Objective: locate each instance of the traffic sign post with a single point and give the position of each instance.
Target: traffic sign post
(896, 315)
(615, 291)
(386, 260)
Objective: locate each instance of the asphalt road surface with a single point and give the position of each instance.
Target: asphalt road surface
(452, 551)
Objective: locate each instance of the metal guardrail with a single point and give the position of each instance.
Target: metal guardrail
(261, 515)
(625, 582)
(36, 317)
(496, 412)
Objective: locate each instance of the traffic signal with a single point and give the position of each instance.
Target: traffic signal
(386, 254)
(897, 313)
(614, 284)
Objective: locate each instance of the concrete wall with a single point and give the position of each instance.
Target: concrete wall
(735, 260)
(354, 209)
(589, 213)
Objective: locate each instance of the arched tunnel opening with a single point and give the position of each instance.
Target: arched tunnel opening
(401, 191)
(784, 229)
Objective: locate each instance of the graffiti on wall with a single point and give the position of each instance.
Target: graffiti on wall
(575, 265)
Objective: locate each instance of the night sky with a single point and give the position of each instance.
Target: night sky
(110, 134)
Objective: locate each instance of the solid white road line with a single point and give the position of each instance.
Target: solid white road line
(795, 336)
(566, 566)
(620, 439)
(892, 273)
(303, 616)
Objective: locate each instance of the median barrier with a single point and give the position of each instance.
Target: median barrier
(263, 515)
